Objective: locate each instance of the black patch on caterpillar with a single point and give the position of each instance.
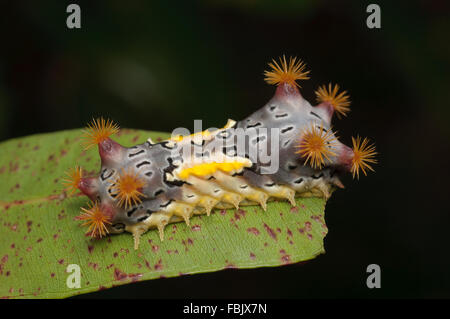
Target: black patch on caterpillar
(224, 134)
(298, 181)
(174, 183)
(278, 116)
(254, 125)
(238, 174)
(226, 150)
(216, 190)
(317, 177)
(149, 174)
(286, 143)
(113, 195)
(203, 154)
(149, 212)
(169, 169)
(143, 163)
(141, 219)
(272, 108)
(253, 168)
(332, 173)
(159, 191)
(137, 153)
(131, 212)
(258, 139)
(119, 226)
(190, 196)
(323, 128)
(170, 160)
(269, 184)
(104, 177)
(287, 129)
(166, 204)
(149, 144)
(193, 143)
(292, 167)
(243, 186)
(316, 115)
(211, 177)
(165, 145)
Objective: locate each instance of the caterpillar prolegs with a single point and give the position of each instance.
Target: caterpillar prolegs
(152, 184)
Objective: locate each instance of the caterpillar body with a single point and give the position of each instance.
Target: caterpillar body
(152, 184)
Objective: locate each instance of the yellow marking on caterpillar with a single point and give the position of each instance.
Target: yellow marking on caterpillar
(206, 169)
(179, 138)
(203, 134)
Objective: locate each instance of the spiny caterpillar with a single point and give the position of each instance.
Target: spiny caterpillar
(152, 184)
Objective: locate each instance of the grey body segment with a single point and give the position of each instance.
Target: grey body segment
(155, 162)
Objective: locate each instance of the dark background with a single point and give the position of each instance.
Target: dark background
(155, 66)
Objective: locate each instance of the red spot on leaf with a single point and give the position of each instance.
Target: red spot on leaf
(253, 230)
(158, 265)
(270, 231)
(308, 226)
(3, 262)
(285, 258)
(93, 265)
(229, 265)
(119, 275)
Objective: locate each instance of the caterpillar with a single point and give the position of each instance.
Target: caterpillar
(152, 184)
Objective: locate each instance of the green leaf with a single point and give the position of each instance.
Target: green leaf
(40, 238)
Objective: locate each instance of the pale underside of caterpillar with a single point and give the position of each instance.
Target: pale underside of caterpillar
(152, 184)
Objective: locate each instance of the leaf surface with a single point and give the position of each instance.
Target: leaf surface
(41, 238)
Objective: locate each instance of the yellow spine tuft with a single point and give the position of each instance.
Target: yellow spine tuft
(97, 131)
(128, 188)
(316, 145)
(73, 179)
(285, 72)
(95, 220)
(363, 154)
(340, 102)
